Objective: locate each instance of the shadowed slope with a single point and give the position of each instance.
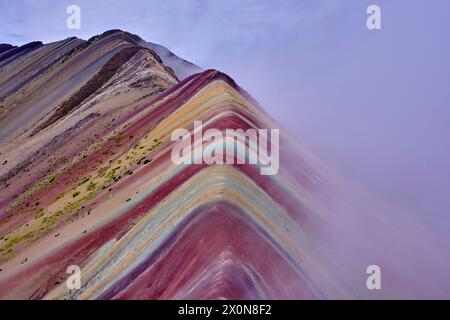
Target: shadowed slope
(5, 46)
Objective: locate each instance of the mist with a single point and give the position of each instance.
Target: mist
(373, 106)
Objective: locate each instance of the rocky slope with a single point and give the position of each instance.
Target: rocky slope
(86, 179)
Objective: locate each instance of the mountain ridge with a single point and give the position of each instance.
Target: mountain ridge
(87, 180)
(86, 130)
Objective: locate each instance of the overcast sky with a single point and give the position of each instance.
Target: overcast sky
(374, 105)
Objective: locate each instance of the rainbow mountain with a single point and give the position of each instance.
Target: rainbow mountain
(86, 179)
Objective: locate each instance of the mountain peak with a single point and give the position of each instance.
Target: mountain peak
(116, 32)
(87, 178)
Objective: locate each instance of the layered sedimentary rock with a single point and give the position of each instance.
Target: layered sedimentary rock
(86, 179)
